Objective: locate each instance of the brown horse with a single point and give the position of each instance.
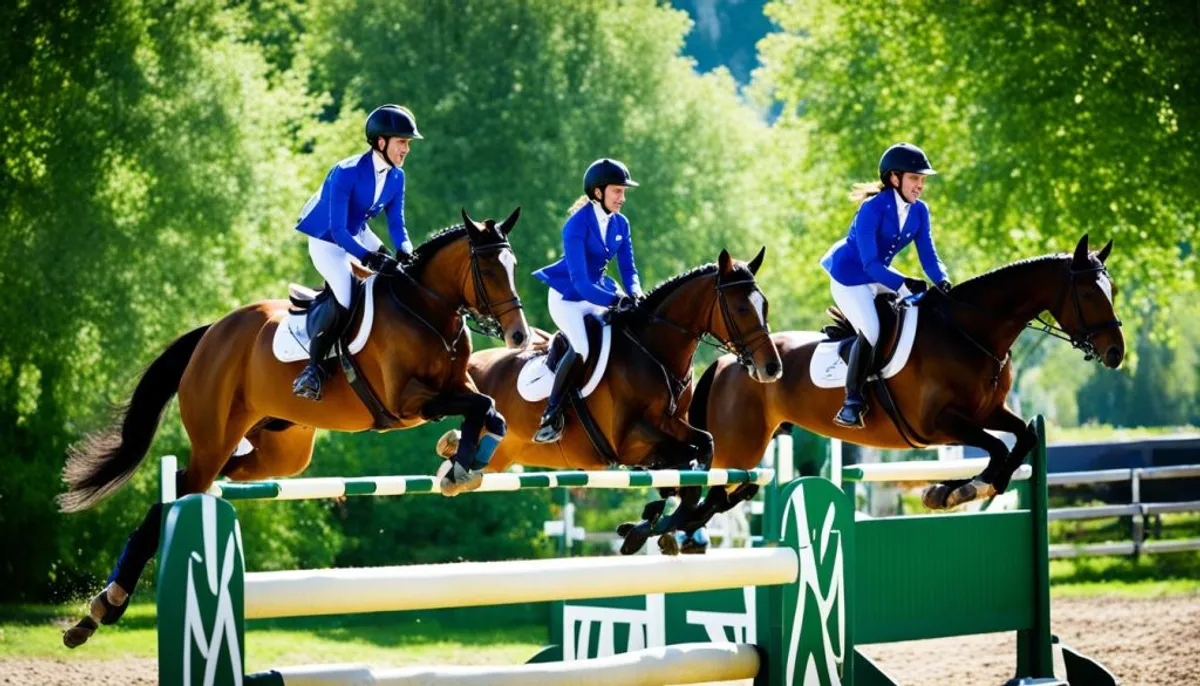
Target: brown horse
(231, 386)
(951, 390)
(640, 404)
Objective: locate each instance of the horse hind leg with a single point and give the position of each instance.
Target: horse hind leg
(107, 607)
(276, 452)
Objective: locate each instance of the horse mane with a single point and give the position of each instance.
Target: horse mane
(660, 292)
(438, 240)
(1006, 272)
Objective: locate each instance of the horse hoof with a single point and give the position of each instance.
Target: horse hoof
(668, 544)
(447, 445)
(624, 529)
(80, 633)
(969, 492)
(635, 538)
(695, 544)
(934, 497)
(459, 480)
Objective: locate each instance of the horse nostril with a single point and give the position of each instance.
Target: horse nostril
(772, 368)
(1113, 356)
(519, 337)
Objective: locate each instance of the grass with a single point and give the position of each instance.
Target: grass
(379, 639)
(1091, 433)
(1141, 577)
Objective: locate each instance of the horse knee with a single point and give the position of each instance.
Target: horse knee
(494, 423)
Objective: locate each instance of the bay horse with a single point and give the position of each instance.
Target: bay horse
(951, 390)
(231, 387)
(640, 404)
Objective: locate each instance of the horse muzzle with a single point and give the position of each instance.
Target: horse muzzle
(1113, 356)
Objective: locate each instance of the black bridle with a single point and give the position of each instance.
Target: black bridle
(739, 345)
(1083, 339)
(486, 317)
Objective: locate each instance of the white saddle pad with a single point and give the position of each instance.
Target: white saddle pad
(291, 337)
(536, 380)
(829, 371)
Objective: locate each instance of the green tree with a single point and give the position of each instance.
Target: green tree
(1047, 120)
(141, 194)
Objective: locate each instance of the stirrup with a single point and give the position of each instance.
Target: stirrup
(308, 384)
(857, 409)
(550, 431)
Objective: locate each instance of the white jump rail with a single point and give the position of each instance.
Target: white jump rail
(473, 584)
(877, 472)
(686, 663)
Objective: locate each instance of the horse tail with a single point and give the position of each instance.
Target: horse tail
(698, 410)
(103, 461)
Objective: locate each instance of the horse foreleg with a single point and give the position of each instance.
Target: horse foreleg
(1004, 420)
(718, 500)
(481, 431)
(955, 492)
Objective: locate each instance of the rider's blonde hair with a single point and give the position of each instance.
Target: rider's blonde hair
(862, 192)
(583, 200)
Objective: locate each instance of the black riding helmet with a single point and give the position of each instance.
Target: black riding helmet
(605, 172)
(904, 157)
(391, 121)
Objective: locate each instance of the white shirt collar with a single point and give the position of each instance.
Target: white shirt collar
(902, 208)
(381, 165)
(602, 218)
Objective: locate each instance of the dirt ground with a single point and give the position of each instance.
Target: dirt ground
(1152, 641)
(1143, 641)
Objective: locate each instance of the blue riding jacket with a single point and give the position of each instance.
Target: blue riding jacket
(339, 211)
(865, 255)
(579, 275)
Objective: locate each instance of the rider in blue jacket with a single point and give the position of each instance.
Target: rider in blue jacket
(890, 217)
(594, 232)
(357, 189)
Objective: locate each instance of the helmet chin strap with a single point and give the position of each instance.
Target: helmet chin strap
(601, 200)
(383, 153)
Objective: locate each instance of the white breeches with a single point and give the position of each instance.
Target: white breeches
(333, 263)
(858, 304)
(568, 316)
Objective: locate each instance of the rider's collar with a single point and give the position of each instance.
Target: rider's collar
(900, 198)
(381, 165)
(602, 216)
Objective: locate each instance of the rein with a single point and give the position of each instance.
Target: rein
(489, 323)
(740, 346)
(1082, 340)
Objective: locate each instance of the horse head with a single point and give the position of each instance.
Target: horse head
(743, 325)
(1086, 307)
(473, 268)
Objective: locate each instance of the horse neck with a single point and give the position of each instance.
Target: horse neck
(1008, 299)
(443, 282)
(690, 306)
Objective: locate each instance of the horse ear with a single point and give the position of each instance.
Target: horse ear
(1103, 254)
(508, 224)
(467, 221)
(724, 262)
(1081, 252)
(757, 261)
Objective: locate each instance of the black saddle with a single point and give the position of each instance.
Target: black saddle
(891, 319)
(305, 300)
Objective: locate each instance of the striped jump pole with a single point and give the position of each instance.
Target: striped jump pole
(338, 487)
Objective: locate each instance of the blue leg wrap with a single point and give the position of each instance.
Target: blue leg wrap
(488, 443)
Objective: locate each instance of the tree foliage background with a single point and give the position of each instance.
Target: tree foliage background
(154, 155)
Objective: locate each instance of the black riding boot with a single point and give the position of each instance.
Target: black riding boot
(564, 383)
(855, 406)
(323, 329)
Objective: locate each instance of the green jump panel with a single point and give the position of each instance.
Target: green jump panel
(943, 575)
